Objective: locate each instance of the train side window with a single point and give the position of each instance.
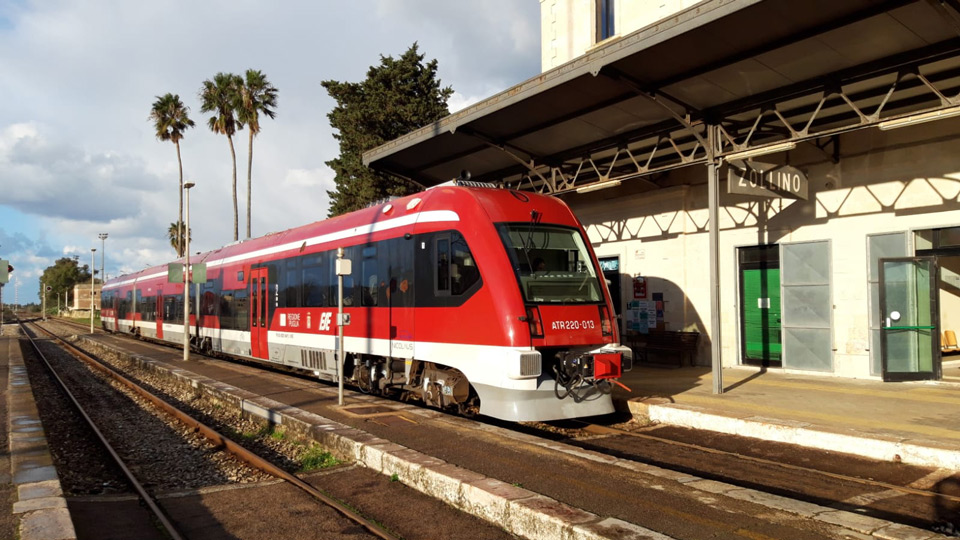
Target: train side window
(233, 310)
(349, 290)
(368, 276)
(463, 267)
(290, 284)
(443, 265)
(314, 283)
(396, 265)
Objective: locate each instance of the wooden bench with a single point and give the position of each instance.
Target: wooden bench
(682, 343)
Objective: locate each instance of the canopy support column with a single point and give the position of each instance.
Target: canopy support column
(713, 194)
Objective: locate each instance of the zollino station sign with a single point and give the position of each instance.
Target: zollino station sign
(766, 180)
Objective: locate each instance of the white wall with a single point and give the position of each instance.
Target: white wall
(568, 27)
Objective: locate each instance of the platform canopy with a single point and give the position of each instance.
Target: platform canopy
(766, 73)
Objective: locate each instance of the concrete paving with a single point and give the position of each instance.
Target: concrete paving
(911, 422)
(39, 503)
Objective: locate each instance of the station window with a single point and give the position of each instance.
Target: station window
(605, 19)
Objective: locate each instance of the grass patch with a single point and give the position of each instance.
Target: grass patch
(394, 477)
(317, 458)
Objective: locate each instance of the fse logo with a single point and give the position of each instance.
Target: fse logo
(325, 321)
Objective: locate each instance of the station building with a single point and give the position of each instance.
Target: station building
(781, 178)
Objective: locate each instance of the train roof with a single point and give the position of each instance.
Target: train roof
(441, 203)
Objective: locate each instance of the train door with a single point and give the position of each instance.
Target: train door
(398, 295)
(159, 309)
(259, 313)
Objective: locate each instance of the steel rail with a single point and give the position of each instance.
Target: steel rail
(141, 491)
(595, 428)
(228, 444)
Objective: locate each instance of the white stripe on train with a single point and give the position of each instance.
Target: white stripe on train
(430, 216)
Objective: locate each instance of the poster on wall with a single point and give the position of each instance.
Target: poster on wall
(641, 316)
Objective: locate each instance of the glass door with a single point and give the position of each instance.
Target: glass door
(908, 332)
(760, 315)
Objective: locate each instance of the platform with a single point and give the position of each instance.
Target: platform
(912, 422)
(39, 510)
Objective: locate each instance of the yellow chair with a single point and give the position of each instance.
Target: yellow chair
(948, 342)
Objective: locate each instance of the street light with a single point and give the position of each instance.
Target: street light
(186, 280)
(93, 261)
(103, 255)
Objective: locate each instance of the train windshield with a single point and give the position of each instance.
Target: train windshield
(552, 263)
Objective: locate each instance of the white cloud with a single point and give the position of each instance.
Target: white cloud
(78, 155)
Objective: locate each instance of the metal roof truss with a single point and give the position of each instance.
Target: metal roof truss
(917, 82)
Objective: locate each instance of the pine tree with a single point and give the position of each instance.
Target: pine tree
(62, 276)
(398, 96)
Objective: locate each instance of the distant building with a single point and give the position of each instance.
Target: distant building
(81, 297)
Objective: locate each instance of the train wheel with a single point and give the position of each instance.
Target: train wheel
(471, 407)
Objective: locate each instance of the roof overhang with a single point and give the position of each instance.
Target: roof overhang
(764, 71)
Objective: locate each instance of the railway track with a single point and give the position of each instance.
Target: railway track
(877, 495)
(924, 498)
(606, 430)
(212, 435)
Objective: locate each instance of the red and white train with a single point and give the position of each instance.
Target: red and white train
(470, 298)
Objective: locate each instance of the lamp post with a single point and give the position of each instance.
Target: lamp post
(343, 268)
(93, 261)
(103, 255)
(186, 279)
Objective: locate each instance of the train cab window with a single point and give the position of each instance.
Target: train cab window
(552, 263)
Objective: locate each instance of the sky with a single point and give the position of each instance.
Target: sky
(79, 156)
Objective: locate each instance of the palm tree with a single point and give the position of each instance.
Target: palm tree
(169, 116)
(175, 233)
(221, 96)
(257, 96)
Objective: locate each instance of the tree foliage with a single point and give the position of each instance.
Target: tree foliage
(398, 96)
(175, 232)
(222, 97)
(171, 119)
(62, 276)
(257, 96)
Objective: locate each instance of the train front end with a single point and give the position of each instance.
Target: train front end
(562, 317)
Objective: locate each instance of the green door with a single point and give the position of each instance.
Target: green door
(760, 301)
(910, 348)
